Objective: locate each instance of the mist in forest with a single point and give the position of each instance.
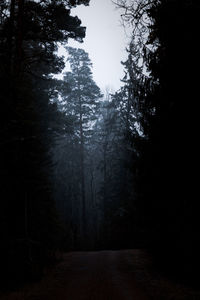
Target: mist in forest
(90, 168)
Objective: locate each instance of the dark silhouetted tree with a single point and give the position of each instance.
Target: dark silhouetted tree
(166, 153)
(29, 36)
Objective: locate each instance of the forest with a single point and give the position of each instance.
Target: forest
(86, 170)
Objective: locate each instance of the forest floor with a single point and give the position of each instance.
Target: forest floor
(104, 275)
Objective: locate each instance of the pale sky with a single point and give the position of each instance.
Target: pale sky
(105, 41)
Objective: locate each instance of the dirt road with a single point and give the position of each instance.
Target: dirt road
(104, 275)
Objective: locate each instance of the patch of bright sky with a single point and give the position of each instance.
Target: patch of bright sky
(105, 41)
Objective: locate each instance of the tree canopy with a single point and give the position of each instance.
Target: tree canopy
(30, 32)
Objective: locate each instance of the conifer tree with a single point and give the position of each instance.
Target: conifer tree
(81, 101)
(29, 36)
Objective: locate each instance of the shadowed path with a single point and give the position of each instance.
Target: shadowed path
(104, 275)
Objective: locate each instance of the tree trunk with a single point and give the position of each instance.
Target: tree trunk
(104, 176)
(10, 38)
(19, 40)
(82, 168)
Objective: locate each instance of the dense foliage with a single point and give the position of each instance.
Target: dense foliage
(29, 31)
(165, 181)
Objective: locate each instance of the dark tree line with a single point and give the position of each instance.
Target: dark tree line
(30, 32)
(166, 105)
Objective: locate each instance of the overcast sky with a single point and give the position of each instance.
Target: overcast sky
(105, 41)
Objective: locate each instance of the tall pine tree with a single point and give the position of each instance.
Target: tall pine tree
(81, 102)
